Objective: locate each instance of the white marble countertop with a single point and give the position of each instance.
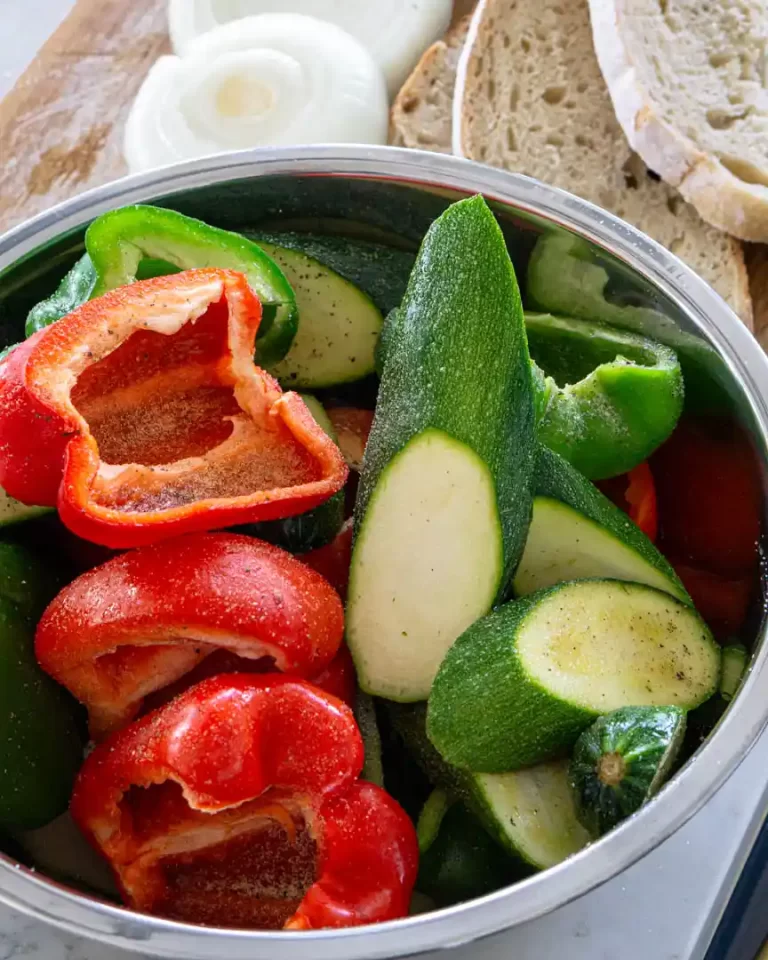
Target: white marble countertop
(664, 908)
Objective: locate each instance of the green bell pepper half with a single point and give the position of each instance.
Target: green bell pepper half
(458, 859)
(140, 242)
(608, 398)
(605, 398)
(40, 744)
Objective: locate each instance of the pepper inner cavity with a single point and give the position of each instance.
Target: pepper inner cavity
(249, 867)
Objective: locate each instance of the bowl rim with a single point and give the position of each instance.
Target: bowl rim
(685, 794)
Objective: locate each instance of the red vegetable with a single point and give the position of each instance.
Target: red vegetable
(333, 560)
(142, 415)
(710, 497)
(352, 426)
(237, 805)
(635, 494)
(142, 621)
(721, 601)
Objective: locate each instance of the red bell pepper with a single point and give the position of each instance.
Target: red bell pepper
(722, 602)
(142, 415)
(145, 619)
(353, 427)
(710, 497)
(635, 494)
(237, 804)
(333, 560)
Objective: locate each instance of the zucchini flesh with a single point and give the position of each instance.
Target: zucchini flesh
(444, 499)
(576, 533)
(339, 325)
(621, 761)
(530, 813)
(520, 685)
(407, 593)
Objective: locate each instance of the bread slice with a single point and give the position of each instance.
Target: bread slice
(422, 111)
(688, 81)
(756, 256)
(530, 97)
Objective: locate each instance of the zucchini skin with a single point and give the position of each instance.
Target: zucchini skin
(641, 745)
(556, 478)
(436, 373)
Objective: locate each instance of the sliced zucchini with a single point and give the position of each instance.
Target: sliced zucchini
(621, 761)
(530, 813)
(339, 325)
(378, 270)
(310, 530)
(576, 533)
(520, 685)
(365, 714)
(734, 666)
(444, 499)
(13, 511)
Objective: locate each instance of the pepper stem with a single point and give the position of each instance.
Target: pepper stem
(611, 769)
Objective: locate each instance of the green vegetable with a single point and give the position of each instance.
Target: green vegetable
(40, 747)
(12, 511)
(76, 287)
(117, 242)
(734, 666)
(520, 685)
(529, 813)
(621, 761)
(339, 328)
(365, 714)
(310, 530)
(605, 398)
(609, 398)
(460, 861)
(577, 533)
(445, 486)
(378, 270)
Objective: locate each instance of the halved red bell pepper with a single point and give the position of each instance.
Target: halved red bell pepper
(333, 560)
(635, 494)
(237, 804)
(142, 415)
(144, 619)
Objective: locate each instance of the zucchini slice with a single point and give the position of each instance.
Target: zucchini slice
(621, 761)
(520, 685)
(13, 511)
(444, 499)
(576, 533)
(339, 325)
(530, 813)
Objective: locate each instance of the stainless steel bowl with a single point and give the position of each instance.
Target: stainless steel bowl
(395, 194)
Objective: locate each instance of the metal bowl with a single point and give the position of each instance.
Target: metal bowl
(394, 194)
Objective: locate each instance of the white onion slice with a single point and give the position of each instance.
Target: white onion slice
(275, 79)
(396, 32)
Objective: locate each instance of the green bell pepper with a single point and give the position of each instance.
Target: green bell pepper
(458, 859)
(621, 393)
(137, 243)
(40, 744)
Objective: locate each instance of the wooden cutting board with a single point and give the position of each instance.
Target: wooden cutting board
(61, 125)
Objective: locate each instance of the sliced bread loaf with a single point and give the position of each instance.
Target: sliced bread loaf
(530, 97)
(688, 81)
(421, 114)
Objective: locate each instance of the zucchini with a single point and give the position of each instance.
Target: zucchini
(577, 533)
(339, 325)
(444, 500)
(460, 861)
(520, 685)
(734, 666)
(530, 813)
(378, 270)
(305, 531)
(365, 715)
(13, 511)
(621, 761)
